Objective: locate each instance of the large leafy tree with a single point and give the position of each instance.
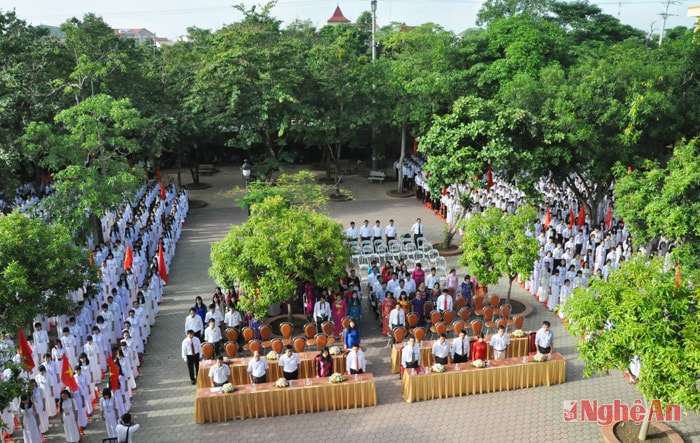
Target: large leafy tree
(39, 265)
(660, 201)
(650, 315)
(90, 149)
(278, 248)
(419, 79)
(497, 244)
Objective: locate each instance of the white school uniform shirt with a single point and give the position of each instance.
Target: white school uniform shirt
(289, 364)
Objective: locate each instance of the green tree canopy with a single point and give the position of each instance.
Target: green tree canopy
(648, 314)
(278, 248)
(656, 201)
(497, 244)
(39, 265)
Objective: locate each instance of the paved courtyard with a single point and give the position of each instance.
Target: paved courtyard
(164, 402)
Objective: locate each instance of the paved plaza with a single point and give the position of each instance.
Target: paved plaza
(163, 403)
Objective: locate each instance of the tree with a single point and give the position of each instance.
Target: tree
(496, 243)
(90, 149)
(276, 250)
(13, 386)
(299, 190)
(39, 265)
(656, 201)
(493, 10)
(648, 314)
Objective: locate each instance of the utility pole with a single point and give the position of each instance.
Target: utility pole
(665, 15)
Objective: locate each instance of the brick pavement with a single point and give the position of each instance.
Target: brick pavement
(164, 401)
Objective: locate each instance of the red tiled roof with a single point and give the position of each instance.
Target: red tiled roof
(338, 16)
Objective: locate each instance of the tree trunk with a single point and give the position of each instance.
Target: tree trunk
(645, 426)
(290, 312)
(179, 169)
(510, 288)
(401, 158)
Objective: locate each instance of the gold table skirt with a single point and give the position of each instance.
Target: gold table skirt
(519, 347)
(239, 369)
(269, 401)
(503, 375)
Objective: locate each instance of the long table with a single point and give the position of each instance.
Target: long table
(519, 347)
(239, 369)
(503, 375)
(266, 400)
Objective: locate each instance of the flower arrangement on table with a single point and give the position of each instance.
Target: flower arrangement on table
(281, 383)
(518, 333)
(437, 367)
(272, 355)
(227, 360)
(479, 363)
(228, 388)
(335, 350)
(539, 357)
(337, 377)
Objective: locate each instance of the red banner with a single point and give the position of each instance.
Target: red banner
(25, 351)
(128, 258)
(162, 270)
(67, 375)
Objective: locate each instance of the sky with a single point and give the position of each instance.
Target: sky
(171, 18)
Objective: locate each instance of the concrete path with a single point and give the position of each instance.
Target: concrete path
(164, 403)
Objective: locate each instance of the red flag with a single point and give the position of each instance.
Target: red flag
(162, 191)
(162, 271)
(128, 258)
(678, 274)
(582, 215)
(571, 218)
(608, 218)
(113, 374)
(489, 179)
(67, 375)
(25, 351)
(547, 218)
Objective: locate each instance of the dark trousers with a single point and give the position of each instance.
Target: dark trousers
(542, 350)
(441, 360)
(193, 366)
(319, 322)
(459, 358)
(291, 375)
(262, 379)
(356, 371)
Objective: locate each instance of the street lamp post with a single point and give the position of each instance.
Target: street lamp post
(374, 25)
(245, 171)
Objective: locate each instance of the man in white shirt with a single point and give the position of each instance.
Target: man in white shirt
(417, 230)
(444, 301)
(322, 310)
(390, 231)
(213, 335)
(441, 350)
(377, 231)
(499, 343)
(355, 361)
(191, 351)
(125, 429)
(289, 363)
(219, 373)
(544, 339)
(365, 231)
(351, 233)
(397, 318)
(233, 318)
(214, 314)
(193, 322)
(461, 347)
(431, 279)
(257, 368)
(410, 354)
(393, 283)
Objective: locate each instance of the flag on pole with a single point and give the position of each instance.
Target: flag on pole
(582, 215)
(25, 351)
(571, 218)
(608, 217)
(113, 374)
(67, 376)
(128, 258)
(489, 179)
(162, 191)
(547, 218)
(162, 270)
